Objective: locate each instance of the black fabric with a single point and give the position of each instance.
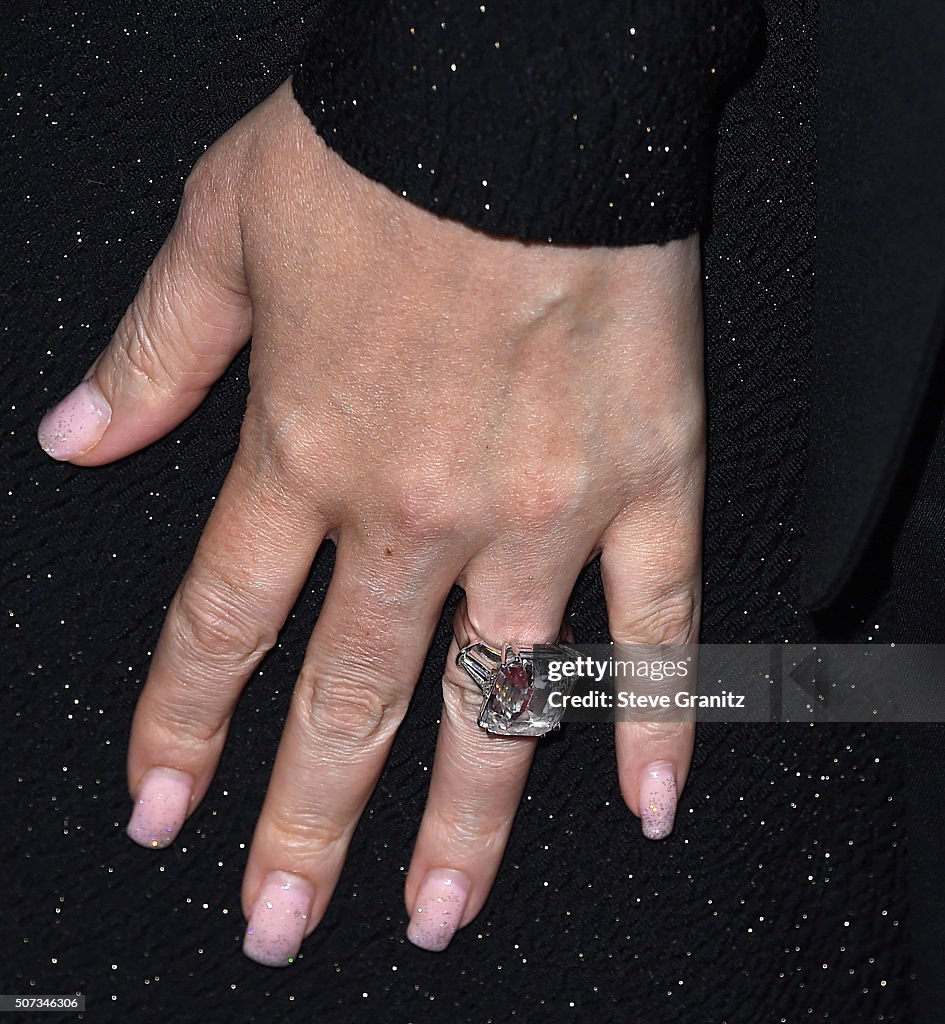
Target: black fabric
(875, 516)
(880, 299)
(918, 572)
(589, 123)
(784, 892)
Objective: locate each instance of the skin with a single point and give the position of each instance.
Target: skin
(446, 406)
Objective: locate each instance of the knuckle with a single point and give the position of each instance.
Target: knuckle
(274, 437)
(185, 722)
(198, 182)
(349, 713)
(676, 450)
(655, 733)
(208, 219)
(214, 622)
(547, 464)
(417, 513)
(203, 188)
(544, 493)
(668, 619)
(421, 509)
(467, 823)
(305, 832)
(139, 354)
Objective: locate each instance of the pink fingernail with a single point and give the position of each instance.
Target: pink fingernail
(439, 909)
(76, 424)
(658, 799)
(279, 919)
(161, 806)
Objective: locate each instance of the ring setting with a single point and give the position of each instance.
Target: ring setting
(516, 693)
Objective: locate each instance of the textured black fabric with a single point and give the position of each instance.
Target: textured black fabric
(782, 893)
(880, 267)
(918, 575)
(876, 473)
(585, 123)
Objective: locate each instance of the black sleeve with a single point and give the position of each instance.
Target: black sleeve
(573, 121)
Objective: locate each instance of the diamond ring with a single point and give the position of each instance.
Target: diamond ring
(517, 696)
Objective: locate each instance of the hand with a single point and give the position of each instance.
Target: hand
(444, 405)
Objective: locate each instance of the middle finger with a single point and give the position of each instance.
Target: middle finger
(359, 671)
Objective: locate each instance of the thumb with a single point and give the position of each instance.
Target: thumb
(191, 315)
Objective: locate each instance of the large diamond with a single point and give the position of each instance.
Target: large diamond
(517, 702)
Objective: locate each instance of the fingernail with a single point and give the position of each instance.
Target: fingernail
(76, 424)
(439, 909)
(658, 799)
(279, 919)
(161, 806)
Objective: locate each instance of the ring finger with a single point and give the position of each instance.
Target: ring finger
(478, 777)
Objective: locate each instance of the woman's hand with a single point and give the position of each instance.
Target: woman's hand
(447, 407)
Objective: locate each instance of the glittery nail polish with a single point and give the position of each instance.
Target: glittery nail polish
(279, 919)
(161, 806)
(658, 799)
(438, 909)
(76, 424)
